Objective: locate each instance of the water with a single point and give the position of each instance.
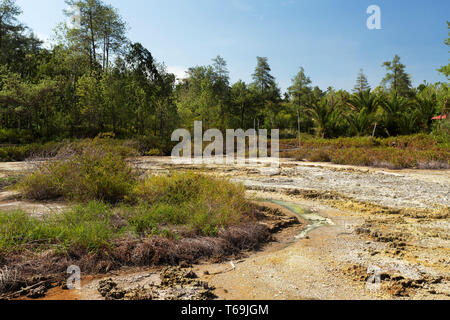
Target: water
(315, 220)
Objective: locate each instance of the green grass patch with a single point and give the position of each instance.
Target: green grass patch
(86, 226)
(171, 206)
(94, 172)
(203, 202)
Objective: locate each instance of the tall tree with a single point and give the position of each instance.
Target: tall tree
(300, 89)
(222, 88)
(362, 84)
(446, 69)
(398, 80)
(112, 31)
(16, 46)
(266, 93)
(242, 104)
(263, 80)
(101, 31)
(8, 20)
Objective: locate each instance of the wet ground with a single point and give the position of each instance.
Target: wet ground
(369, 234)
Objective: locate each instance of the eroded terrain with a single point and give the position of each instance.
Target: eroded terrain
(387, 237)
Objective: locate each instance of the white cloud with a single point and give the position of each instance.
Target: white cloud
(178, 71)
(47, 40)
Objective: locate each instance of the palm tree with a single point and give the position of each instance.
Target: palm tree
(359, 122)
(325, 115)
(426, 109)
(398, 117)
(363, 106)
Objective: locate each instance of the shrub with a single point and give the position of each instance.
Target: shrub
(421, 150)
(93, 173)
(203, 202)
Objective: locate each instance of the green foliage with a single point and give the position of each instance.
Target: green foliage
(88, 226)
(203, 202)
(94, 172)
(188, 203)
(76, 90)
(65, 148)
(398, 80)
(445, 70)
(421, 150)
(326, 115)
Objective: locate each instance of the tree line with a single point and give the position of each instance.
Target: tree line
(95, 80)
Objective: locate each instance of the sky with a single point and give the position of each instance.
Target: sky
(328, 38)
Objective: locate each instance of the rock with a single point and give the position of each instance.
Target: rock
(38, 292)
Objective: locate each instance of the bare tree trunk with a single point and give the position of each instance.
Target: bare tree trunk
(91, 23)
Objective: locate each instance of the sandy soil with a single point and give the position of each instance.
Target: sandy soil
(389, 237)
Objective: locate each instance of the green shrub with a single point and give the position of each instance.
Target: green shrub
(93, 173)
(66, 149)
(203, 202)
(420, 150)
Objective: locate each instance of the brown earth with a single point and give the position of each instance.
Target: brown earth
(388, 226)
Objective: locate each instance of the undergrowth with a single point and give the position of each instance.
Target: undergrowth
(415, 151)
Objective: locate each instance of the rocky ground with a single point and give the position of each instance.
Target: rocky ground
(388, 237)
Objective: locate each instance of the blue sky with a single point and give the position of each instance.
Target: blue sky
(329, 38)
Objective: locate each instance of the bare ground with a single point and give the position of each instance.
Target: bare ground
(388, 223)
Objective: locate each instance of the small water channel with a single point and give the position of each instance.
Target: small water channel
(314, 220)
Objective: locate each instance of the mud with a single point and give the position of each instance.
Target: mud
(175, 283)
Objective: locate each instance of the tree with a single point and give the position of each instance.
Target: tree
(27, 105)
(263, 80)
(398, 80)
(101, 31)
(361, 82)
(241, 101)
(363, 106)
(300, 89)
(90, 103)
(445, 70)
(398, 117)
(17, 49)
(8, 21)
(222, 88)
(266, 93)
(300, 95)
(327, 115)
(112, 32)
(426, 108)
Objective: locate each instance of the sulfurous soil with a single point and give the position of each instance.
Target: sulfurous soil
(388, 237)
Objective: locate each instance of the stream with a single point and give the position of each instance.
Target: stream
(315, 220)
